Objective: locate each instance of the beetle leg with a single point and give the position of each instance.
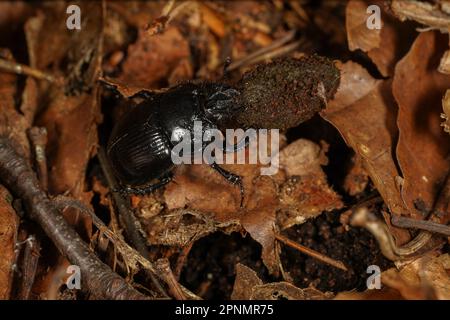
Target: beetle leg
(231, 177)
(242, 144)
(146, 189)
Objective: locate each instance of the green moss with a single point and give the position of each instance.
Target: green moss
(286, 92)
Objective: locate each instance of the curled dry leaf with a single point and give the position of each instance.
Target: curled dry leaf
(248, 286)
(286, 291)
(372, 132)
(384, 46)
(72, 113)
(125, 89)
(306, 193)
(196, 185)
(434, 16)
(195, 188)
(246, 279)
(444, 65)
(358, 35)
(446, 109)
(259, 220)
(425, 278)
(181, 227)
(12, 15)
(8, 237)
(12, 122)
(423, 12)
(357, 178)
(191, 214)
(153, 61)
(423, 147)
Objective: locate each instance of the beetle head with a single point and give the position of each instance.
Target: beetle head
(221, 103)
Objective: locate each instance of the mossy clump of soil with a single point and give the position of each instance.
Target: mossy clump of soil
(286, 92)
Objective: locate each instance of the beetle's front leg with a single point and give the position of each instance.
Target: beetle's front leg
(242, 144)
(231, 177)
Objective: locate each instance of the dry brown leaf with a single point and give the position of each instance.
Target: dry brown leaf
(69, 112)
(364, 113)
(446, 109)
(434, 16)
(244, 282)
(196, 188)
(306, 193)
(137, 13)
(259, 220)
(73, 112)
(12, 16)
(8, 237)
(200, 189)
(384, 293)
(423, 147)
(424, 12)
(444, 65)
(285, 290)
(182, 227)
(425, 278)
(157, 61)
(357, 178)
(358, 35)
(384, 46)
(12, 123)
(248, 286)
(125, 89)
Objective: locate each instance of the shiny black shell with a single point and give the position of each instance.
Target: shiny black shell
(140, 145)
(138, 149)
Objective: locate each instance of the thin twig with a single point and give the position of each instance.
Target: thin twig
(270, 51)
(169, 12)
(166, 273)
(311, 252)
(410, 223)
(31, 253)
(38, 139)
(363, 218)
(17, 175)
(131, 257)
(438, 214)
(29, 266)
(126, 215)
(182, 259)
(244, 19)
(123, 208)
(22, 69)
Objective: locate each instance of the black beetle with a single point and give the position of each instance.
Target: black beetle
(140, 145)
(281, 94)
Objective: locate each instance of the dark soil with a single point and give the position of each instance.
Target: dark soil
(356, 248)
(210, 272)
